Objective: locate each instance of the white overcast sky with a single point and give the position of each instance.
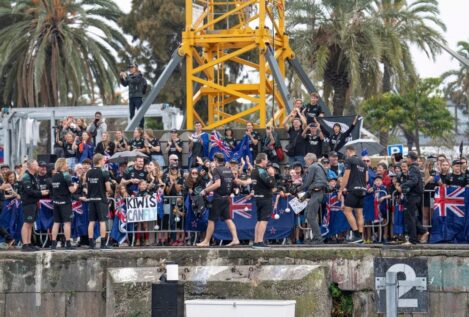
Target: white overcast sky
(454, 13)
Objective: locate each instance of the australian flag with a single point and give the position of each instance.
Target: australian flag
(333, 219)
(449, 216)
(12, 218)
(243, 212)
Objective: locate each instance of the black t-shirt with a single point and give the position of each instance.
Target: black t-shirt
(173, 150)
(69, 151)
(357, 178)
(262, 182)
(132, 172)
(154, 143)
(230, 141)
(313, 144)
(105, 150)
(96, 179)
(197, 145)
(121, 144)
(173, 190)
(296, 139)
(254, 148)
(456, 180)
(60, 192)
(137, 144)
(225, 175)
(311, 112)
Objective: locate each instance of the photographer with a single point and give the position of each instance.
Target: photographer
(315, 183)
(137, 89)
(97, 127)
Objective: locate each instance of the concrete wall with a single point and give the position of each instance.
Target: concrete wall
(75, 283)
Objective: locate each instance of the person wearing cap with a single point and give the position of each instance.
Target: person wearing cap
(336, 166)
(337, 138)
(43, 178)
(174, 146)
(354, 182)
(137, 89)
(313, 109)
(314, 183)
(456, 178)
(221, 188)
(412, 188)
(4, 168)
(313, 138)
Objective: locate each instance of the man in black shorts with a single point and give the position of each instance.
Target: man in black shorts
(354, 183)
(62, 190)
(221, 187)
(263, 179)
(30, 195)
(98, 184)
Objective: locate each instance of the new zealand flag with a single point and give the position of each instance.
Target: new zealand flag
(333, 219)
(449, 216)
(12, 218)
(194, 222)
(398, 221)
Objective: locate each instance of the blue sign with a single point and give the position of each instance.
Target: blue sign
(395, 148)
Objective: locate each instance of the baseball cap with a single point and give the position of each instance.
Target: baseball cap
(42, 164)
(233, 161)
(4, 166)
(456, 162)
(333, 154)
(133, 65)
(276, 166)
(173, 131)
(297, 164)
(412, 155)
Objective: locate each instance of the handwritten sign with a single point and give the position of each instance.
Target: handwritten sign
(141, 209)
(297, 206)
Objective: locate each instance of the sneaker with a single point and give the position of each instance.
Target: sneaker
(53, 245)
(28, 248)
(355, 240)
(260, 245)
(69, 246)
(104, 246)
(92, 244)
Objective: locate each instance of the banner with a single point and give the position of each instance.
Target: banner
(449, 216)
(140, 209)
(243, 211)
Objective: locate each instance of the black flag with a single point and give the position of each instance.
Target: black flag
(461, 146)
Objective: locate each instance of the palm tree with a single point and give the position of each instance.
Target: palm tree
(405, 23)
(341, 43)
(57, 51)
(457, 85)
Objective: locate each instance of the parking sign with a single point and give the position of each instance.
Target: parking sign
(395, 148)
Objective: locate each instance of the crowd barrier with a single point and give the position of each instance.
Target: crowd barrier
(175, 215)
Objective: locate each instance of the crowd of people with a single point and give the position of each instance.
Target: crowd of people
(315, 165)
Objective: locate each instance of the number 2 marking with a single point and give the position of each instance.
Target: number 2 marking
(402, 290)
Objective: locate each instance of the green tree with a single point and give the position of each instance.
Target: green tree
(156, 27)
(419, 111)
(457, 82)
(58, 51)
(341, 43)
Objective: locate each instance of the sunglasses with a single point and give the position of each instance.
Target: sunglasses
(174, 159)
(366, 161)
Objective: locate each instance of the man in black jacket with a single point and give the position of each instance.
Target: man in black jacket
(413, 190)
(137, 88)
(263, 178)
(30, 195)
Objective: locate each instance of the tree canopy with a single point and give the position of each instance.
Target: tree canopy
(58, 51)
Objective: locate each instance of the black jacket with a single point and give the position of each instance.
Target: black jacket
(30, 190)
(263, 182)
(413, 186)
(137, 85)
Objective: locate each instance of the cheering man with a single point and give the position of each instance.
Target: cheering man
(221, 187)
(98, 184)
(263, 178)
(354, 183)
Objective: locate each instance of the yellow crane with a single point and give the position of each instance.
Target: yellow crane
(248, 34)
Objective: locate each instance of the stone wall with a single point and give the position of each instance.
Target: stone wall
(78, 283)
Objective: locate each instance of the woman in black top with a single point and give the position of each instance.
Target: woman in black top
(105, 147)
(337, 139)
(121, 142)
(13, 191)
(137, 143)
(174, 146)
(153, 147)
(229, 139)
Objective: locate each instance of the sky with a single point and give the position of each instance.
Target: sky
(452, 12)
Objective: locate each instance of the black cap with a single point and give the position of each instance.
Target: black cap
(297, 164)
(456, 162)
(233, 161)
(412, 155)
(173, 131)
(313, 125)
(325, 161)
(174, 166)
(432, 157)
(42, 164)
(133, 65)
(4, 166)
(333, 153)
(276, 166)
(378, 176)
